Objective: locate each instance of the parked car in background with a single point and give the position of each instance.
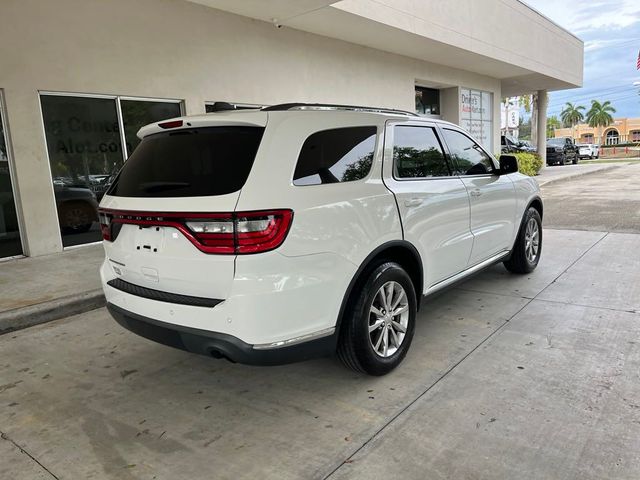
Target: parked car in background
(77, 207)
(511, 145)
(588, 150)
(294, 231)
(561, 151)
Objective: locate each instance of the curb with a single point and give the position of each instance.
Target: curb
(577, 174)
(24, 317)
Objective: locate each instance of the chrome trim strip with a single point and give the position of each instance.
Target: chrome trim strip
(296, 340)
(465, 273)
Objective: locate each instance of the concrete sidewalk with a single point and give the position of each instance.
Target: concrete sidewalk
(564, 172)
(509, 376)
(40, 289)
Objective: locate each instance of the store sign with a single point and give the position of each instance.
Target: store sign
(476, 115)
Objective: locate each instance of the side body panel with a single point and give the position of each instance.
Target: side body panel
(435, 215)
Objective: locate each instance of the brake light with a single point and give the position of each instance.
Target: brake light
(171, 124)
(219, 233)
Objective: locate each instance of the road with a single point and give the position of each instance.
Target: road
(532, 376)
(606, 201)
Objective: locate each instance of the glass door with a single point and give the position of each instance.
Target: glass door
(10, 243)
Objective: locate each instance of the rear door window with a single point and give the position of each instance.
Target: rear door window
(189, 163)
(417, 153)
(334, 156)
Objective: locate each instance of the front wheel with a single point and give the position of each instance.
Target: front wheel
(379, 322)
(528, 247)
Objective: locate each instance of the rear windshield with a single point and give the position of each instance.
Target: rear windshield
(189, 163)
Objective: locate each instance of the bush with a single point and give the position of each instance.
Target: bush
(528, 163)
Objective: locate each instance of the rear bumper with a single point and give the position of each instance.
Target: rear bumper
(220, 345)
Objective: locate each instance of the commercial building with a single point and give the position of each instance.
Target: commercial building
(79, 77)
(622, 130)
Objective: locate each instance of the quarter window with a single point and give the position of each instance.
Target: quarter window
(334, 156)
(467, 156)
(417, 153)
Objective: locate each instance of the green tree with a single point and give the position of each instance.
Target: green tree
(571, 115)
(552, 123)
(599, 115)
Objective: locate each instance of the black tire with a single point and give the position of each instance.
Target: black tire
(575, 161)
(518, 262)
(355, 348)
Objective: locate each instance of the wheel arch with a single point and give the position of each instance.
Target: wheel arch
(399, 251)
(535, 202)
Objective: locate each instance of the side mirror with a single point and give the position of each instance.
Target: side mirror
(508, 164)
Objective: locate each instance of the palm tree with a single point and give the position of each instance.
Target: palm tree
(600, 114)
(552, 124)
(571, 115)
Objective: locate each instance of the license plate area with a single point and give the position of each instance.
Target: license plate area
(149, 239)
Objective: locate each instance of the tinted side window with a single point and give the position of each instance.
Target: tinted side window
(337, 155)
(417, 153)
(468, 157)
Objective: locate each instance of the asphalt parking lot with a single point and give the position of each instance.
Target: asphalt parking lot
(606, 201)
(533, 376)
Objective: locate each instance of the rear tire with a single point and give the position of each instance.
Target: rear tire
(528, 247)
(372, 339)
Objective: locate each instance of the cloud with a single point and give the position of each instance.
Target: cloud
(581, 17)
(611, 32)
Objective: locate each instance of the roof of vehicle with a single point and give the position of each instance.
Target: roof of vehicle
(259, 116)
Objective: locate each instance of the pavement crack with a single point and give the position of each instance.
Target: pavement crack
(6, 437)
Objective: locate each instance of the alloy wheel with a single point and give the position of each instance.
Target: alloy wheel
(532, 240)
(388, 319)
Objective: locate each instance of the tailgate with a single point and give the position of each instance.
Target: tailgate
(175, 182)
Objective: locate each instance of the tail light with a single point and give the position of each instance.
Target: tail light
(220, 233)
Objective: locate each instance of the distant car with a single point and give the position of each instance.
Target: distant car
(511, 145)
(77, 208)
(561, 151)
(526, 146)
(588, 150)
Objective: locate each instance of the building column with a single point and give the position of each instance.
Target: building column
(542, 126)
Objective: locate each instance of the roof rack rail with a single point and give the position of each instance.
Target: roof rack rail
(331, 106)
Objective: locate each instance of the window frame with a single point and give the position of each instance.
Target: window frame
(494, 162)
(116, 99)
(390, 133)
(340, 127)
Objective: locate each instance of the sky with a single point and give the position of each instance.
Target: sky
(610, 30)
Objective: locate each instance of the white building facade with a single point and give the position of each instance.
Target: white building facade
(79, 77)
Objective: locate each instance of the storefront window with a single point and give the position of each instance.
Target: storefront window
(85, 148)
(9, 232)
(137, 113)
(476, 115)
(427, 101)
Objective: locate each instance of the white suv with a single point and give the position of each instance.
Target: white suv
(295, 231)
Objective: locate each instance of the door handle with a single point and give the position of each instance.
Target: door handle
(475, 193)
(413, 202)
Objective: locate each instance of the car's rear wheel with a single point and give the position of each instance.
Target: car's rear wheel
(379, 322)
(528, 247)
